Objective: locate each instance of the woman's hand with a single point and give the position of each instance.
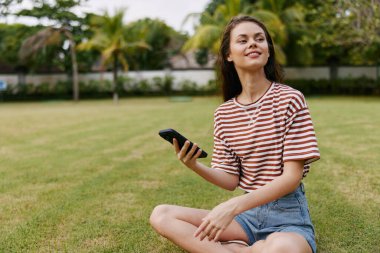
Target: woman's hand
(217, 221)
(189, 158)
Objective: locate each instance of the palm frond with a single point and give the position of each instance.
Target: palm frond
(108, 52)
(189, 17)
(276, 28)
(295, 15)
(205, 36)
(233, 8)
(137, 44)
(38, 41)
(123, 62)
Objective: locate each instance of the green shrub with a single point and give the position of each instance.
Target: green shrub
(346, 86)
(188, 87)
(164, 86)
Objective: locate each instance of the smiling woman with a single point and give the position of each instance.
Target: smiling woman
(264, 141)
(253, 56)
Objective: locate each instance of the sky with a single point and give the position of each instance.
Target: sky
(173, 12)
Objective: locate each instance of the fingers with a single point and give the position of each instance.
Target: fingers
(197, 154)
(190, 154)
(206, 229)
(176, 146)
(206, 232)
(201, 228)
(218, 234)
(182, 153)
(213, 233)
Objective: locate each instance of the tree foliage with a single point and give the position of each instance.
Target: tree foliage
(346, 32)
(11, 37)
(6, 6)
(65, 22)
(293, 16)
(306, 32)
(58, 11)
(207, 34)
(164, 42)
(109, 38)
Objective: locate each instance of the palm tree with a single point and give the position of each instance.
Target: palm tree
(207, 35)
(110, 40)
(293, 15)
(52, 36)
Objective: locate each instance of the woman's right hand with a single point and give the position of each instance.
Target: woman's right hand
(189, 158)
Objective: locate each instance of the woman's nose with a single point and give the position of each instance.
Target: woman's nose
(252, 44)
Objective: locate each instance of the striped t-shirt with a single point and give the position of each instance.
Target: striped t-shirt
(253, 141)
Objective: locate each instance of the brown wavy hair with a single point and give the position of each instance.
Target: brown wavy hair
(227, 75)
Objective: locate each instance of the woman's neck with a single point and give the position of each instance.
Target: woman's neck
(254, 86)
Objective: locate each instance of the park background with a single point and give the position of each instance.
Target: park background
(82, 100)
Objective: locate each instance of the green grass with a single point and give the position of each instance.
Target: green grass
(84, 177)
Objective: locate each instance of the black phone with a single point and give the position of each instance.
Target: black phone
(169, 134)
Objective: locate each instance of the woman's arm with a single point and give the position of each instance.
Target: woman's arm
(220, 178)
(277, 188)
(222, 215)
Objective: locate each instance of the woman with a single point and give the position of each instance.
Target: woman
(264, 142)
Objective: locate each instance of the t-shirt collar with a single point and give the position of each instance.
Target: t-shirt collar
(257, 102)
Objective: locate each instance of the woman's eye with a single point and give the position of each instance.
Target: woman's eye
(242, 41)
(260, 39)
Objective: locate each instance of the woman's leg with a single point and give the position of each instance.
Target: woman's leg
(178, 224)
(282, 242)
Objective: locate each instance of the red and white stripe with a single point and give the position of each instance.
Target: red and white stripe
(253, 141)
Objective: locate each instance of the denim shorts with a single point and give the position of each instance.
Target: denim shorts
(287, 214)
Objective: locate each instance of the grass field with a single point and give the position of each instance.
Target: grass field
(84, 177)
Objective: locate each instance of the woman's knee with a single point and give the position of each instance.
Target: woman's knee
(160, 216)
(283, 243)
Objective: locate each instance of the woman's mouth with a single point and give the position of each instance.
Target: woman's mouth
(253, 54)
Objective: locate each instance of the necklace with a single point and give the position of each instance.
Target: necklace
(250, 115)
(256, 106)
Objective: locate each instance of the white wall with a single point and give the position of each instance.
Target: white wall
(9, 79)
(307, 73)
(201, 77)
(358, 72)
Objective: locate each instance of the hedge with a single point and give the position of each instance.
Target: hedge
(166, 86)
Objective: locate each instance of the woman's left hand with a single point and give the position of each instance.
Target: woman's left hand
(217, 221)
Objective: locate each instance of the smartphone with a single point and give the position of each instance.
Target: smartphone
(169, 134)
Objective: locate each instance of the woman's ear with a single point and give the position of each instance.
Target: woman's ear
(229, 58)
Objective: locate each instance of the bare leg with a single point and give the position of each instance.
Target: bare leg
(282, 242)
(178, 224)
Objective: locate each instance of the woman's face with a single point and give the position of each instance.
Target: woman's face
(248, 47)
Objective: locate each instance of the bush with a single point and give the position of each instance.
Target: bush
(188, 87)
(353, 86)
(164, 86)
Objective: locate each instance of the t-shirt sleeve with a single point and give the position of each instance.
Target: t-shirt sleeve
(300, 142)
(222, 157)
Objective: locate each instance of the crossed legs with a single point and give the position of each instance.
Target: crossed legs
(178, 224)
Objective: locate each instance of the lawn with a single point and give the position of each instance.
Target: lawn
(84, 177)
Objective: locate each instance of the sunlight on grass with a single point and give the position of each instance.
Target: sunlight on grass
(84, 177)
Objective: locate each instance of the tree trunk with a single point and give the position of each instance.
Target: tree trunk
(74, 65)
(114, 88)
(333, 62)
(333, 71)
